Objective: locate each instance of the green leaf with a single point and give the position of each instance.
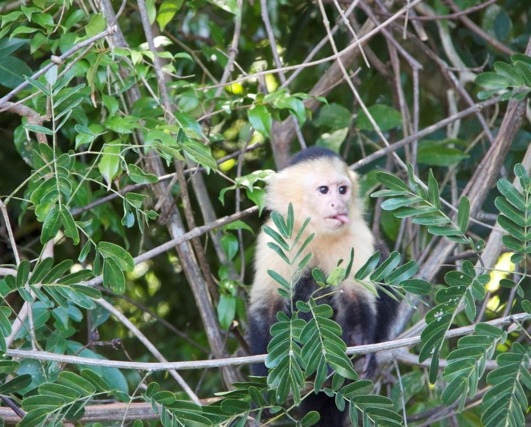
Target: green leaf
(13, 71)
(230, 245)
(463, 214)
(392, 182)
(226, 310)
(386, 267)
(493, 81)
(284, 359)
(404, 272)
(96, 25)
(512, 195)
(57, 271)
(113, 277)
(230, 6)
(16, 384)
(51, 75)
(505, 402)
(39, 86)
(51, 225)
(138, 176)
(385, 117)
(112, 251)
(167, 11)
(333, 116)
(368, 267)
(440, 153)
(398, 202)
(109, 163)
(70, 228)
(23, 271)
(40, 270)
(200, 153)
(466, 364)
(260, 119)
(5, 327)
(416, 286)
(433, 191)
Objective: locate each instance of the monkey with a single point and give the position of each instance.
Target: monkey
(319, 186)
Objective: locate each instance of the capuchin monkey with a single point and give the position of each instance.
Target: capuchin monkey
(319, 185)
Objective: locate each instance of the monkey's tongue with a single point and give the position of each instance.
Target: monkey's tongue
(343, 218)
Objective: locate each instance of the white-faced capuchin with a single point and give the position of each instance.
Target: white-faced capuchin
(319, 185)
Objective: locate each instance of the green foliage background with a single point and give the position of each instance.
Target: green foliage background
(136, 141)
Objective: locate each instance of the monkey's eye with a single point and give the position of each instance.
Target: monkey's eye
(323, 189)
(343, 189)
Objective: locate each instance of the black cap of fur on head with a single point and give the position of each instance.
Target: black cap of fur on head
(312, 153)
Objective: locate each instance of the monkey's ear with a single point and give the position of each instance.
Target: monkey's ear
(353, 176)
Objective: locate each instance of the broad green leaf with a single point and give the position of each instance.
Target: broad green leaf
(51, 225)
(426, 220)
(138, 176)
(57, 271)
(385, 117)
(493, 81)
(113, 276)
(463, 214)
(392, 182)
(51, 75)
(230, 6)
(405, 271)
(368, 267)
(416, 286)
(514, 230)
(386, 267)
(333, 116)
(40, 270)
(38, 129)
(23, 272)
(230, 245)
(261, 119)
(39, 86)
(512, 195)
(5, 327)
(508, 71)
(226, 310)
(109, 164)
(96, 25)
(440, 153)
(279, 279)
(70, 227)
(200, 153)
(15, 384)
(398, 202)
(112, 251)
(13, 71)
(433, 190)
(167, 11)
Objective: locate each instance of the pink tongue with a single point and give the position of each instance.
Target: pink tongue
(342, 217)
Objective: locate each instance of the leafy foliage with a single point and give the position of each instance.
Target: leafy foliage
(63, 399)
(507, 80)
(464, 289)
(515, 207)
(506, 401)
(115, 153)
(423, 205)
(466, 364)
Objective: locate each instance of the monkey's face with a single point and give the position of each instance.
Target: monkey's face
(327, 201)
(320, 189)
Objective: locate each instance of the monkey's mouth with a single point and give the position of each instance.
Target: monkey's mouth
(339, 219)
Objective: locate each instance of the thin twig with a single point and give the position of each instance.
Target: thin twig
(242, 360)
(109, 31)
